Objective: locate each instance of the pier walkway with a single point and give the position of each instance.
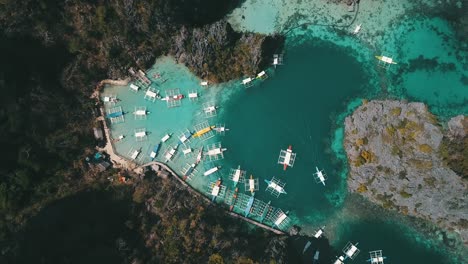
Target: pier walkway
(195, 192)
(118, 160)
(124, 163)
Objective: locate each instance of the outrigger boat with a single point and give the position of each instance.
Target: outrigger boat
(385, 59)
(170, 153)
(216, 189)
(220, 129)
(376, 257)
(316, 257)
(154, 153)
(215, 151)
(234, 196)
(121, 137)
(141, 112)
(307, 245)
(135, 154)
(174, 97)
(320, 176)
(249, 205)
(319, 232)
(186, 136)
(266, 211)
(205, 130)
(236, 176)
(115, 114)
(192, 167)
(357, 29)
(110, 99)
(199, 156)
(210, 109)
(275, 186)
(211, 171)
(339, 260)
(350, 251)
(287, 158)
(251, 185)
(281, 219)
(166, 137)
(189, 171)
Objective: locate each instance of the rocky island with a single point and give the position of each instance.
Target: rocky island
(401, 158)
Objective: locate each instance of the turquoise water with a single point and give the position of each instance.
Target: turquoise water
(327, 74)
(292, 108)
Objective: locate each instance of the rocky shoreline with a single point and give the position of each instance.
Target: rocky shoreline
(397, 153)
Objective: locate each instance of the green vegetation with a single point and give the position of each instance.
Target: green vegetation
(396, 151)
(425, 148)
(53, 53)
(194, 233)
(386, 201)
(404, 194)
(396, 111)
(44, 127)
(216, 259)
(454, 153)
(390, 130)
(361, 141)
(362, 188)
(430, 181)
(421, 164)
(367, 156)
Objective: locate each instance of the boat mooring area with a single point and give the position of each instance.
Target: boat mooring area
(166, 115)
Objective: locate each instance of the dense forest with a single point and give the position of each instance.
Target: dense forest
(155, 221)
(53, 53)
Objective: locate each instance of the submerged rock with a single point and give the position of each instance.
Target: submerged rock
(393, 149)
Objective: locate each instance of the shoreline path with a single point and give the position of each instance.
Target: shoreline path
(121, 162)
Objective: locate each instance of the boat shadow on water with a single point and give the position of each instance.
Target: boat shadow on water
(303, 249)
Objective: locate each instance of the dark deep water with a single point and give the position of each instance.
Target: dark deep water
(298, 107)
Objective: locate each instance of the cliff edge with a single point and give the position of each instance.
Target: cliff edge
(398, 158)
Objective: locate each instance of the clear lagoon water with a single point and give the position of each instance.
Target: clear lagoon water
(327, 74)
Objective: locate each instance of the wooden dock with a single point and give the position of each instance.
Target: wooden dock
(109, 147)
(130, 165)
(276, 231)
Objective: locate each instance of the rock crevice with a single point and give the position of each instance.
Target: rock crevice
(394, 151)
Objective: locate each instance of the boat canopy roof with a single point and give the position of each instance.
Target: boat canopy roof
(351, 251)
(387, 59)
(135, 154)
(318, 233)
(150, 93)
(115, 114)
(215, 190)
(140, 112)
(165, 138)
(280, 219)
(186, 151)
(140, 134)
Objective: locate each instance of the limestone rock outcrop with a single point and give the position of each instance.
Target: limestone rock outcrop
(393, 149)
